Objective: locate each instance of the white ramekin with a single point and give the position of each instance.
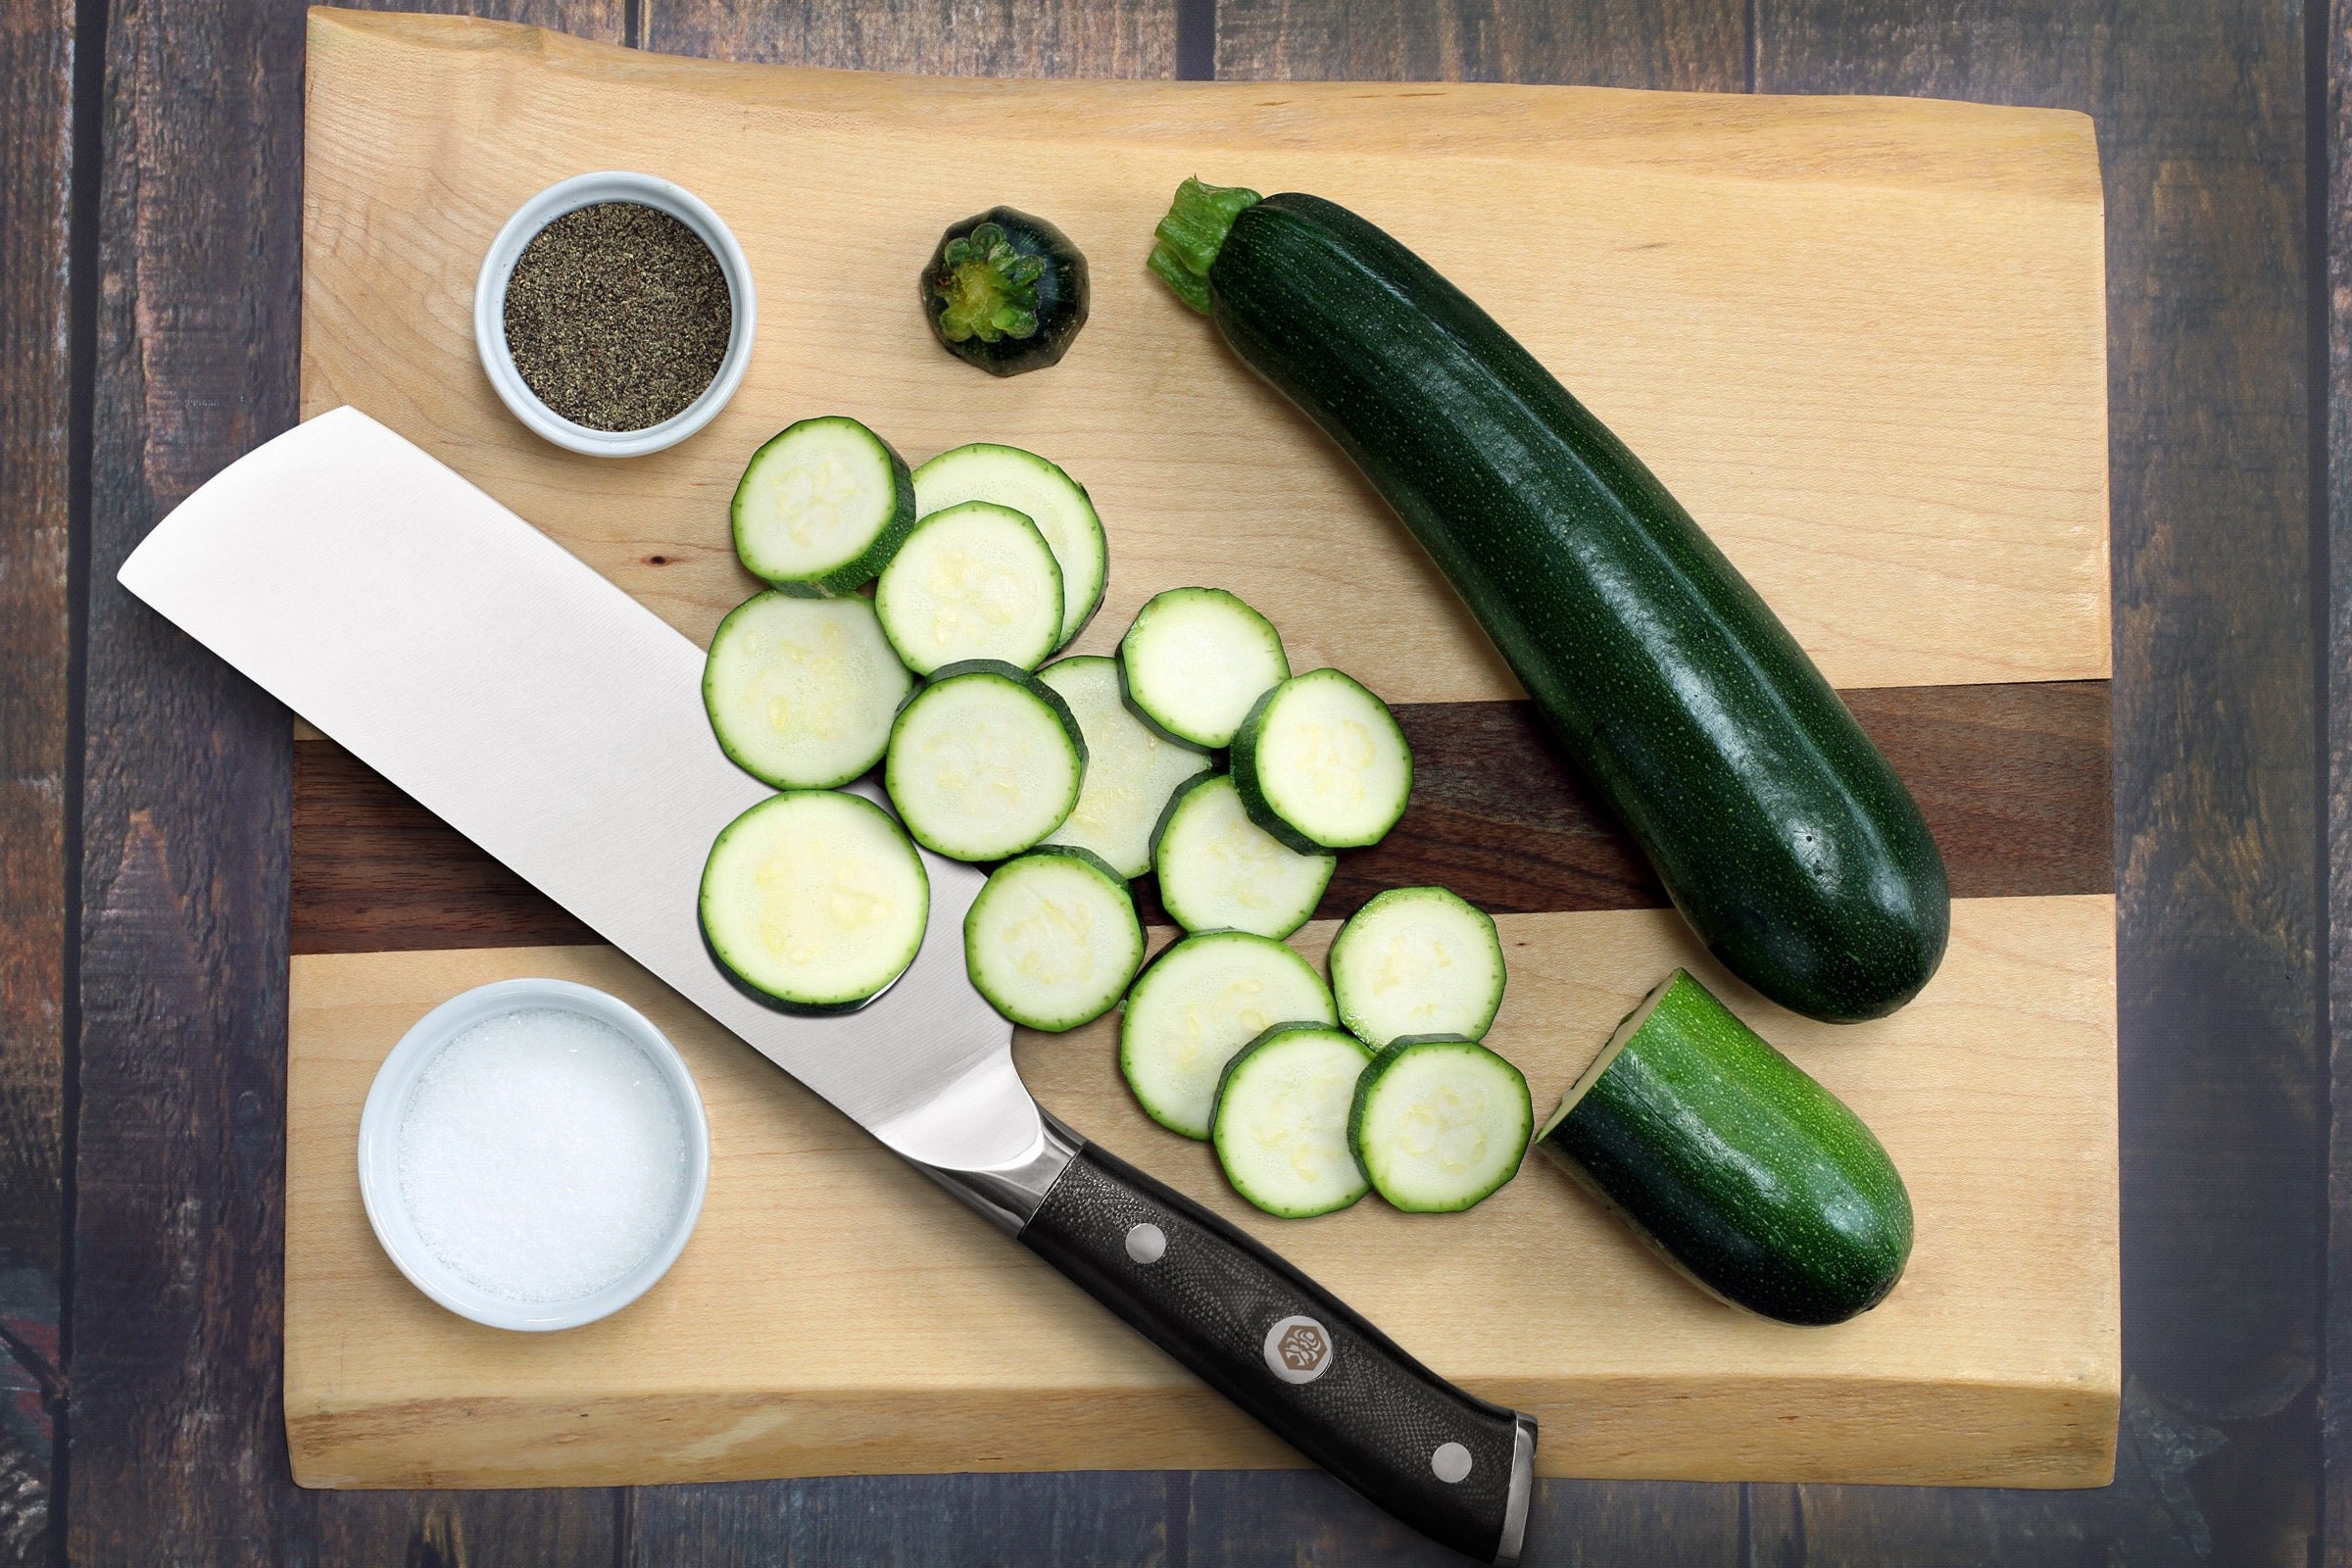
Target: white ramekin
(379, 1153)
(490, 309)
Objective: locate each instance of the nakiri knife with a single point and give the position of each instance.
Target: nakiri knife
(557, 722)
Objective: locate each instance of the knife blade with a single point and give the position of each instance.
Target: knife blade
(550, 717)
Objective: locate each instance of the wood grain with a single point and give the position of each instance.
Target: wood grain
(1861, 339)
(2013, 780)
(36, 77)
(2203, 132)
(1692, 45)
(2335, 1394)
(1994, 1362)
(1127, 38)
(178, 1437)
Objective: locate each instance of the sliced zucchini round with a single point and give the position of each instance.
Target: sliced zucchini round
(822, 506)
(1439, 1123)
(801, 692)
(1040, 492)
(984, 762)
(1203, 999)
(1220, 871)
(1054, 938)
(1196, 659)
(1279, 1128)
(1417, 962)
(975, 580)
(1322, 764)
(1131, 768)
(814, 901)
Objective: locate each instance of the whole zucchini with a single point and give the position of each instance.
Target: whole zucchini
(1733, 1162)
(1776, 826)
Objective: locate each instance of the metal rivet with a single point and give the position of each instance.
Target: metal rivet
(1299, 1350)
(1147, 1243)
(1450, 1462)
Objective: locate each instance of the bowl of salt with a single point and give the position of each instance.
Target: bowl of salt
(533, 1154)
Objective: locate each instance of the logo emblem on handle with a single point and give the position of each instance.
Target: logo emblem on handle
(1299, 1350)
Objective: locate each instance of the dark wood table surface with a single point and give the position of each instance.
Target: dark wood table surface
(150, 251)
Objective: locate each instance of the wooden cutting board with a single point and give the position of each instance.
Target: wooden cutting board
(1863, 339)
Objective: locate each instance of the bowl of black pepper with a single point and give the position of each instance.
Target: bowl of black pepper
(614, 314)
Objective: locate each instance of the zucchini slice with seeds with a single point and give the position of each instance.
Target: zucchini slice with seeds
(801, 692)
(1131, 768)
(1040, 491)
(1202, 999)
(1195, 659)
(1220, 871)
(984, 762)
(1322, 764)
(1417, 962)
(1279, 1128)
(814, 901)
(1052, 938)
(1439, 1123)
(974, 580)
(822, 508)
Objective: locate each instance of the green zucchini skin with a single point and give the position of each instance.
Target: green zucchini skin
(1777, 829)
(1732, 1161)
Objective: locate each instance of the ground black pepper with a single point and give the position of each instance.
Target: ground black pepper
(617, 315)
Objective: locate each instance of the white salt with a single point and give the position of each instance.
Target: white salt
(542, 1154)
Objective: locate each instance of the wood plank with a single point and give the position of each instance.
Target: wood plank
(37, 156)
(1129, 39)
(2013, 780)
(1692, 45)
(2201, 110)
(1888, 411)
(2335, 1394)
(178, 1443)
(1993, 1361)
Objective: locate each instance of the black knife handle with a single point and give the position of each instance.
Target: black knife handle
(1290, 1354)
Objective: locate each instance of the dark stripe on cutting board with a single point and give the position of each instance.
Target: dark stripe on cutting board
(2013, 779)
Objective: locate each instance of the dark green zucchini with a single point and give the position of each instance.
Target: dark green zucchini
(1006, 291)
(1776, 826)
(1731, 1160)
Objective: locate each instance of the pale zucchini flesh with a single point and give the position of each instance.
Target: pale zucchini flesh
(984, 762)
(822, 506)
(1054, 938)
(814, 901)
(1281, 1124)
(1131, 771)
(1203, 1000)
(801, 692)
(973, 581)
(1040, 491)
(1439, 1123)
(1417, 962)
(1322, 764)
(1220, 871)
(1196, 659)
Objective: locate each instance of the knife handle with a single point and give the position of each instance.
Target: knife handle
(1290, 1354)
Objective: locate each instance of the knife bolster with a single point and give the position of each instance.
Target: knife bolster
(1009, 1195)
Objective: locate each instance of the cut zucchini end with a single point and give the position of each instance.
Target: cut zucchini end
(1439, 1123)
(1417, 961)
(1280, 1124)
(1054, 938)
(1627, 1027)
(822, 506)
(1204, 998)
